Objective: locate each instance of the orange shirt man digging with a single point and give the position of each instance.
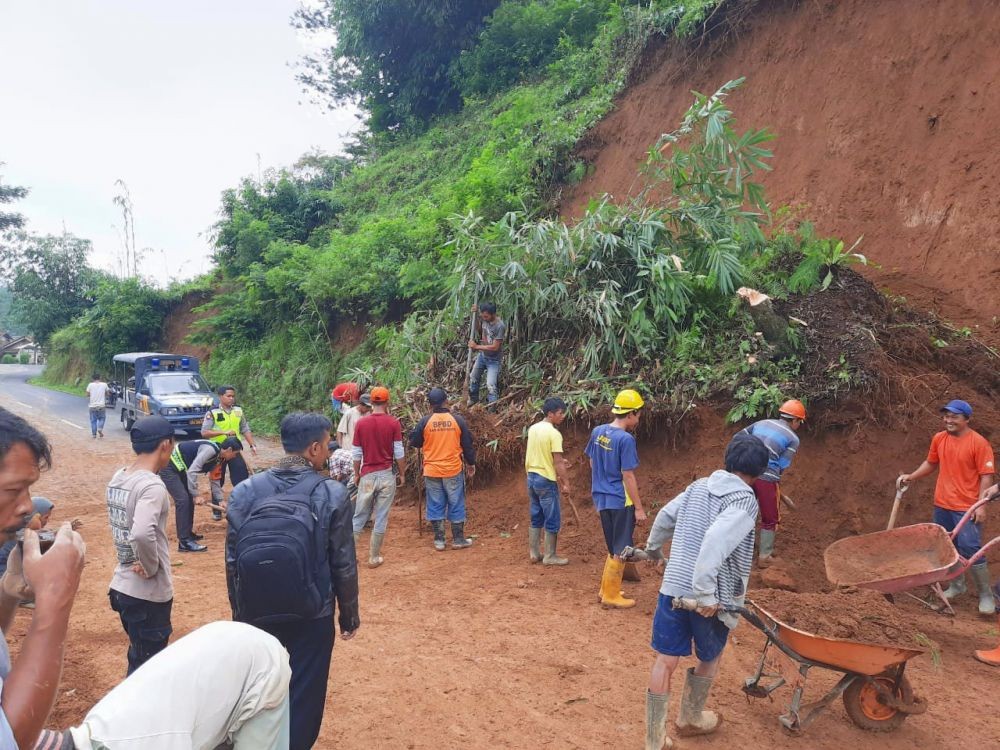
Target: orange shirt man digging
(964, 460)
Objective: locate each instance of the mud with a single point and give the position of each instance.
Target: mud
(851, 614)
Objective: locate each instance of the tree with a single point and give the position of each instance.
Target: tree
(392, 56)
(49, 278)
(9, 194)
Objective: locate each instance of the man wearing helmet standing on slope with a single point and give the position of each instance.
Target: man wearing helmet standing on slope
(782, 442)
(613, 461)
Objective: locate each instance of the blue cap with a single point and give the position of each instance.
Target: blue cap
(957, 406)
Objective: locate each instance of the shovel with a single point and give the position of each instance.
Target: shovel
(900, 489)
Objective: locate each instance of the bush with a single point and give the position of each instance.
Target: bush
(24, 358)
(8, 359)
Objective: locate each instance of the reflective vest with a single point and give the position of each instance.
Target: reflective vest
(442, 445)
(183, 454)
(225, 422)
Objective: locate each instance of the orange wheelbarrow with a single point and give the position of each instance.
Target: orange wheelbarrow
(898, 560)
(875, 692)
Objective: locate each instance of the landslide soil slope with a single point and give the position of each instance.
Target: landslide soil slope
(882, 111)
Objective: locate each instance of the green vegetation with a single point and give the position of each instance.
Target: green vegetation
(76, 388)
(474, 112)
(8, 359)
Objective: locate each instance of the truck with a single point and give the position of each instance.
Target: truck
(165, 385)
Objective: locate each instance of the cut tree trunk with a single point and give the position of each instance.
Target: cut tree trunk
(767, 321)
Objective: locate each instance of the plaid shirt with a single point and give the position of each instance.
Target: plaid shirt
(342, 465)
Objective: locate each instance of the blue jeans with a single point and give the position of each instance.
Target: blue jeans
(97, 417)
(543, 495)
(492, 367)
(446, 498)
(376, 491)
(968, 540)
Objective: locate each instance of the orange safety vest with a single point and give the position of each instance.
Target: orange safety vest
(442, 446)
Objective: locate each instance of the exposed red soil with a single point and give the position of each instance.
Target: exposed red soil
(180, 324)
(852, 614)
(882, 113)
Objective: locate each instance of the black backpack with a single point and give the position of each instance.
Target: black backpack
(277, 555)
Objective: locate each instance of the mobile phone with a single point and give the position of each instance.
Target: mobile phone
(46, 539)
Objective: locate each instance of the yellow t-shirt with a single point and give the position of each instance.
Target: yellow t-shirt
(543, 440)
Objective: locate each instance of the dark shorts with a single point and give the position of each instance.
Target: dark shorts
(618, 525)
(675, 629)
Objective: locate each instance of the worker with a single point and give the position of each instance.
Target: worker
(445, 442)
(547, 471)
(710, 527)
(615, 489)
(782, 443)
(341, 467)
(378, 442)
(342, 395)
(228, 420)
(492, 331)
(187, 461)
(965, 464)
(360, 406)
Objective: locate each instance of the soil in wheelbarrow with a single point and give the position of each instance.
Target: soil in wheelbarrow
(851, 614)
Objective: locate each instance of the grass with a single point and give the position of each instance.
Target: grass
(74, 389)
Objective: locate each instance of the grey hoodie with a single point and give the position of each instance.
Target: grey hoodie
(712, 525)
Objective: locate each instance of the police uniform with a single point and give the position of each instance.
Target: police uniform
(187, 460)
(223, 421)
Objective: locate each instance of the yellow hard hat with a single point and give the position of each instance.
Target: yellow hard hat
(626, 401)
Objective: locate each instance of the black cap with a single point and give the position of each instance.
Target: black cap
(151, 430)
(365, 399)
(437, 396)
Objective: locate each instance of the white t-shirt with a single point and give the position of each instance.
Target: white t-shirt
(97, 391)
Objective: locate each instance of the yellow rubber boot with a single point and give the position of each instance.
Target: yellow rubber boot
(991, 657)
(611, 593)
(604, 577)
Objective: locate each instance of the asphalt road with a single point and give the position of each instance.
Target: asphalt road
(69, 409)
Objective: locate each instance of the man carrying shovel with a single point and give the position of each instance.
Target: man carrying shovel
(964, 461)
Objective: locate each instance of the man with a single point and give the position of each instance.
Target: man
(613, 461)
(343, 394)
(244, 699)
(547, 471)
(227, 421)
(142, 590)
(180, 476)
(445, 441)
(711, 525)
(289, 556)
(349, 420)
(782, 442)
(965, 464)
(492, 332)
(97, 392)
(378, 442)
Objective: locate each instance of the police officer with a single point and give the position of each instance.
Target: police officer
(227, 421)
(187, 461)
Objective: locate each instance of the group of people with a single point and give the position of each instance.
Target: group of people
(291, 563)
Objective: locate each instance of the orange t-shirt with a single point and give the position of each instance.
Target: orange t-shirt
(961, 462)
(442, 445)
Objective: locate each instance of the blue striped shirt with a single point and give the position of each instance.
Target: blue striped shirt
(781, 442)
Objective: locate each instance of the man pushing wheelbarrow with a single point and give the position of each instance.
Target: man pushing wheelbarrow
(964, 461)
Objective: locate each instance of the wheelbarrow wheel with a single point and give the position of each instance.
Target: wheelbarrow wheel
(863, 705)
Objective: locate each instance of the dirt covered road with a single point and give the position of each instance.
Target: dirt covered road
(479, 649)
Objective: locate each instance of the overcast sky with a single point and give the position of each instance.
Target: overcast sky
(175, 98)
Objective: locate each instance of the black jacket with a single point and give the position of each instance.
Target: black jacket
(339, 578)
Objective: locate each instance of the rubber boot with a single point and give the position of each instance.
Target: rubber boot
(551, 558)
(656, 721)
(439, 540)
(955, 588)
(534, 542)
(458, 538)
(693, 719)
(374, 558)
(766, 554)
(991, 657)
(604, 575)
(981, 575)
(611, 594)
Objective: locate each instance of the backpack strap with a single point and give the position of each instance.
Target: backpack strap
(306, 486)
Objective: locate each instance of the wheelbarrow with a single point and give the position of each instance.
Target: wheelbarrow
(899, 560)
(875, 692)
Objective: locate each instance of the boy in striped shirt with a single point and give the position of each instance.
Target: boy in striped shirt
(710, 527)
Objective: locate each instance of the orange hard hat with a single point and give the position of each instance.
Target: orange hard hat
(793, 408)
